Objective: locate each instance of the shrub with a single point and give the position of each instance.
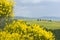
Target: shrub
(6, 11)
(31, 32)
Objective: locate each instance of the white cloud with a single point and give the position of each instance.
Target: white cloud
(25, 8)
(31, 1)
(21, 11)
(38, 1)
(53, 0)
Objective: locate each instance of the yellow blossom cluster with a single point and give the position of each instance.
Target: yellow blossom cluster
(6, 11)
(20, 30)
(6, 7)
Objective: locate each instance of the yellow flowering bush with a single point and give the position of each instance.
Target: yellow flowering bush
(6, 8)
(20, 30)
(6, 11)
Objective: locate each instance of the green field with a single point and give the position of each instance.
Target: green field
(54, 26)
(48, 24)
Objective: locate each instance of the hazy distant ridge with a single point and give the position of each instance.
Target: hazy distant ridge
(44, 17)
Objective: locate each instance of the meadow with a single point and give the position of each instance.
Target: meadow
(46, 23)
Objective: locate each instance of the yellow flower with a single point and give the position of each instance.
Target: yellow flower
(20, 31)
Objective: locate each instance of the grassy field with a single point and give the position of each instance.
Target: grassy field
(54, 26)
(48, 24)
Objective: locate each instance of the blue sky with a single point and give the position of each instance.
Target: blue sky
(37, 8)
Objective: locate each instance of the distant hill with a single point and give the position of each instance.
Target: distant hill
(44, 17)
(49, 18)
(20, 17)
